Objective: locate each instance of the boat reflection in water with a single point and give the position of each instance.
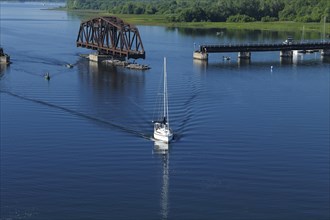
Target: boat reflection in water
(161, 148)
(3, 68)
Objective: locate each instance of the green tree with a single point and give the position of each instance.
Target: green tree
(215, 10)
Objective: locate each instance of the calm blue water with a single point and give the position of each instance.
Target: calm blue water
(250, 143)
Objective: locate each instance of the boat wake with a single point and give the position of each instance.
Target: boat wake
(82, 115)
(40, 60)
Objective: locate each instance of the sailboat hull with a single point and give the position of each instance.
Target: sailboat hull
(163, 137)
(162, 133)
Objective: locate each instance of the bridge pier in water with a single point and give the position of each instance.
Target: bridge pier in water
(286, 53)
(200, 55)
(244, 55)
(96, 57)
(325, 52)
(244, 50)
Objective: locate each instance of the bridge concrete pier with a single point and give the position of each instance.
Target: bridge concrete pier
(325, 52)
(200, 55)
(98, 57)
(286, 53)
(244, 55)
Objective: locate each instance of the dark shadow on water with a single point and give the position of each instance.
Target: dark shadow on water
(114, 93)
(103, 77)
(325, 59)
(286, 60)
(239, 35)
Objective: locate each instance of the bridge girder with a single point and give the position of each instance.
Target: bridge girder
(112, 36)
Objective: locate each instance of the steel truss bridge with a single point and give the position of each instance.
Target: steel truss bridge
(111, 36)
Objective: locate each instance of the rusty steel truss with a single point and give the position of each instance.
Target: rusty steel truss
(111, 36)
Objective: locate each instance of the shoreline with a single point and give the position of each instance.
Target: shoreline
(160, 20)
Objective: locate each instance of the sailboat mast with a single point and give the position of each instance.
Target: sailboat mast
(325, 19)
(167, 118)
(165, 93)
(164, 87)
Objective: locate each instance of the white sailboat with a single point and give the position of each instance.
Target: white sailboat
(162, 130)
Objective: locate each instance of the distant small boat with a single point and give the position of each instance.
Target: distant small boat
(47, 76)
(226, 58)
(68, 65)
(162, 130)
(137, 66)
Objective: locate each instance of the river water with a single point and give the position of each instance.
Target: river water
(250, 142)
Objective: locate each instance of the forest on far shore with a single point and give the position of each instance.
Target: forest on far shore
(215, 10)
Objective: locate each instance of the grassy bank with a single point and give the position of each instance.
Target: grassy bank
(161, 20)
(272, 26)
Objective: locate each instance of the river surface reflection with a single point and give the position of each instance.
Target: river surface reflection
(251, 137)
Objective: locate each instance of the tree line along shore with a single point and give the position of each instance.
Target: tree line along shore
(214, 10)
(277, 15)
